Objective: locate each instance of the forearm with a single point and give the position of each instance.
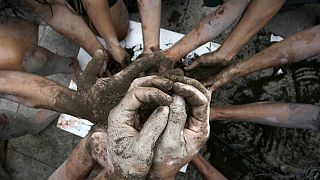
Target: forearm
(208, 28)
(274, 114)
(257, 15)
(297, 47)
(99, 14)
(65, 21)
(150, 14)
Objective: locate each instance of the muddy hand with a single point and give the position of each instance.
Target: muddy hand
(208, 59)
(120, 55)
(184, 135)
(131, 151)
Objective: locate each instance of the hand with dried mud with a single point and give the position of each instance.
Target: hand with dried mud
(184, 134)
(208, 59)
(164, 66)
(120, 55)
(131, 151)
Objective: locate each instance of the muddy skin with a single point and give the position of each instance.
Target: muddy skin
(150, 13)
(109, 22)
(297, 47)
(208, 28)
(94, 98)
(131, 151)
(257, 15)
(174, 148)
(72, 26)
(273, 114)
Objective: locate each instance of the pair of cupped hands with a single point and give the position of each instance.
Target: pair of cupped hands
(168, 139)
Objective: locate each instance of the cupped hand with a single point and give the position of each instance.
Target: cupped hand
(131, 151)
(184, 134)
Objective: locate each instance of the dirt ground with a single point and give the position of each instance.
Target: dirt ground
(238, 150)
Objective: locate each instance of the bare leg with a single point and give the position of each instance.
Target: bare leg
(257, 15)
(208, 28)
(150, 14)
(15, 125)
(44, 62)
(18, 39)
(297, 47)
(19, 50)
(273, 114)
(120, 19)
(206, 170)
(104, 21)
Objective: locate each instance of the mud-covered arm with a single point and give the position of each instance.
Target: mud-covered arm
(150, 14)
(208, 28)
(297, 47)
(64, 20)
(290, 115)
(256, 16)
(99, 13)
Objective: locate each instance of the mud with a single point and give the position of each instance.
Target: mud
(244, 150)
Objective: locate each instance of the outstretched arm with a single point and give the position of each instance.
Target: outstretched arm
(297, 47)
(257, 15)
(290, 115)
(208, 28)
(64, 20)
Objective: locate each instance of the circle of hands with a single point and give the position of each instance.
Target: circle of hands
(168, 139)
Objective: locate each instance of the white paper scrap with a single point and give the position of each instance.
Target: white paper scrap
(74, 125)
(184, 168)
(274, 38)
(134, 41)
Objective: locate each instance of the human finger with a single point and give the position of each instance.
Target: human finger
(176, 122)
(125, 111)
(189, 81)
(151, 131)
(152, 81)
(199, 119)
